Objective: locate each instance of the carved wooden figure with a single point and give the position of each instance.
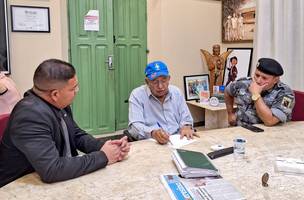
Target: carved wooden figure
(215, 63)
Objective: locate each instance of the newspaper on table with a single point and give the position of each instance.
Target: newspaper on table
(208, 188)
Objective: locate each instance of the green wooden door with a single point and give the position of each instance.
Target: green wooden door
(100, 104)
(130, 52)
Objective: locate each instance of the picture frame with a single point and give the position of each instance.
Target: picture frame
(30, 19)
(4, 38)
(193, 84)
(238, 21)
(242, 64)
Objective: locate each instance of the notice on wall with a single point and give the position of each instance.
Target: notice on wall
(91, 21)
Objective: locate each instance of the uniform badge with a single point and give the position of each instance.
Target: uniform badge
(286, 102)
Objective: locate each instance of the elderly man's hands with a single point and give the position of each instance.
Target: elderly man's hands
(161, 136)
(187, 131)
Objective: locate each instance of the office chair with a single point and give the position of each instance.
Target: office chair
(298, 110)
(3, 122)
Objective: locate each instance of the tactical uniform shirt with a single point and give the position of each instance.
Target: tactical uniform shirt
(280, 99)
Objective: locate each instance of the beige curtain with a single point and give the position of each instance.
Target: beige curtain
(279, 34)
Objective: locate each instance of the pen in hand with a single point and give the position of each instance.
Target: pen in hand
(163, 132)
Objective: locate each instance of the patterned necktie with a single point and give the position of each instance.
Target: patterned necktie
(67, 147)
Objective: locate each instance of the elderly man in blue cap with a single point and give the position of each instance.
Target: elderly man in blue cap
(157, 109)
(262, 98)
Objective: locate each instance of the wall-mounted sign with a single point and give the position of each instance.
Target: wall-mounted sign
(30, 19)
(91, 21)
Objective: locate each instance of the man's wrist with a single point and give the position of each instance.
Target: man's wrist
(187, 126)
(255, 96)
(153, 133)
(230, 112)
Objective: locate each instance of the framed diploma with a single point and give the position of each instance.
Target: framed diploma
(30, 19)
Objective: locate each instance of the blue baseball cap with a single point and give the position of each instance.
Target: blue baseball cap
(156, 69)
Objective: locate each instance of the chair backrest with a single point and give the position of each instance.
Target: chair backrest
(298, 110)
(3, 122)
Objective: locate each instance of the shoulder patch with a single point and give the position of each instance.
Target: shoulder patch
(286, 102)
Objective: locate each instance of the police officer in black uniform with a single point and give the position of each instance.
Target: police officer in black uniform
(261, 99)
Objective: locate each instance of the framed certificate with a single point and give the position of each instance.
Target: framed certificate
(30, 19)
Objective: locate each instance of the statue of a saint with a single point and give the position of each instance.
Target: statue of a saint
(215, 63)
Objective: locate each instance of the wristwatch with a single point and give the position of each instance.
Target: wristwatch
(255, 97)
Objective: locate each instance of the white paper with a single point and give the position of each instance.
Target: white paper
(289, 165)
(91, 20)
(176, 142)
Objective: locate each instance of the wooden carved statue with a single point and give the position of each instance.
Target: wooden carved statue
(215, 63)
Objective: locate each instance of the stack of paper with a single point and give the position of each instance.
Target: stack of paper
(289, 165)
(192, 164)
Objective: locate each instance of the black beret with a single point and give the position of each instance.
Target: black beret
(270, 66)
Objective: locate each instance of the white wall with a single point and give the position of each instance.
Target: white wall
(27, 49)
(178, 29)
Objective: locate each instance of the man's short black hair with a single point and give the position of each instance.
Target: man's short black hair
(51, 72)
(234, 57)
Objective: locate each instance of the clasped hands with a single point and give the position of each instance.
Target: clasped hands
(116, 150)
(162, 137)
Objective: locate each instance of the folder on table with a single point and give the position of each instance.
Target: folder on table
(191, 164)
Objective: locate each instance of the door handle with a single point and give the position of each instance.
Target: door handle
(109, 61)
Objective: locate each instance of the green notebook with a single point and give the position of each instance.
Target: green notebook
(194, 159)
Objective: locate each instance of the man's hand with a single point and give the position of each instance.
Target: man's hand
(124, 146)
(232, 119)
(254, 88)
(160, 136)
(112, 151)
(187, 131)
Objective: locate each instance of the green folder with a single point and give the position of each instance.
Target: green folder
(194, 159)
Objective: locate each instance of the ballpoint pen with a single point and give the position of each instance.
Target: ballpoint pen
(158, 124)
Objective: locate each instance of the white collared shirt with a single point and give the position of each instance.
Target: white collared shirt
(147, 113)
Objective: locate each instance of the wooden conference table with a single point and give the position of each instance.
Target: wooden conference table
(138, 176)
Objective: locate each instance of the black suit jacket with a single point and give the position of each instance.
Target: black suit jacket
(33, 141)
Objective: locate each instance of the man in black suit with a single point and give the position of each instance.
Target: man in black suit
(42, 136)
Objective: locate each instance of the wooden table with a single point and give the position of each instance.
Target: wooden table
(137, 177)
(215, 116)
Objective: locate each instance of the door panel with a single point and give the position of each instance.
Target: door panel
(94, 105)
(130, 52)
(100, 105)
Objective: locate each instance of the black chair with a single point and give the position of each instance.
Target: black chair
(130, 137)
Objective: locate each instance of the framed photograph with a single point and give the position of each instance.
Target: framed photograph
(30, 19)
(4, 41)
(238, 64)
(193, 84)
(238, 20)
